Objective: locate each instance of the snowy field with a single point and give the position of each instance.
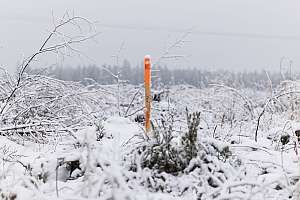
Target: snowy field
(62, 140)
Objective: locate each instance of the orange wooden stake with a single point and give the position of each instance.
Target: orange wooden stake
(147, 79)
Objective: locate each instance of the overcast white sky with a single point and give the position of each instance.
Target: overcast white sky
(229, 34)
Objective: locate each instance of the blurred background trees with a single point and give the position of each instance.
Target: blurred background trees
(166, 75)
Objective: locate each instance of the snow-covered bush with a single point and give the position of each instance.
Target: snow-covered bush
(164, 158)
(161, 152)
(189, 139)
(50, 107)
(191, 166)
(164, 154)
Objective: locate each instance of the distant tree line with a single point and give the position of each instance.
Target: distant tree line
(163, 75)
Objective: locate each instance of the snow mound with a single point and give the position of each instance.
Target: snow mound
(121, 129)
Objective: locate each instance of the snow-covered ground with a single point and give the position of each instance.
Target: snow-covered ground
(104, 156)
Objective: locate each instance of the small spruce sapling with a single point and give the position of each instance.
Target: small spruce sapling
(99, 130)
(161, 154)
(164, 155)
(189, 140)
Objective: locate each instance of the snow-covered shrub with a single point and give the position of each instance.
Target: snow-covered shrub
(231, 105)
(287, 96)
(189, 139)
(212, 167)
(161, 153)
(99, 130)
(46, 109)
